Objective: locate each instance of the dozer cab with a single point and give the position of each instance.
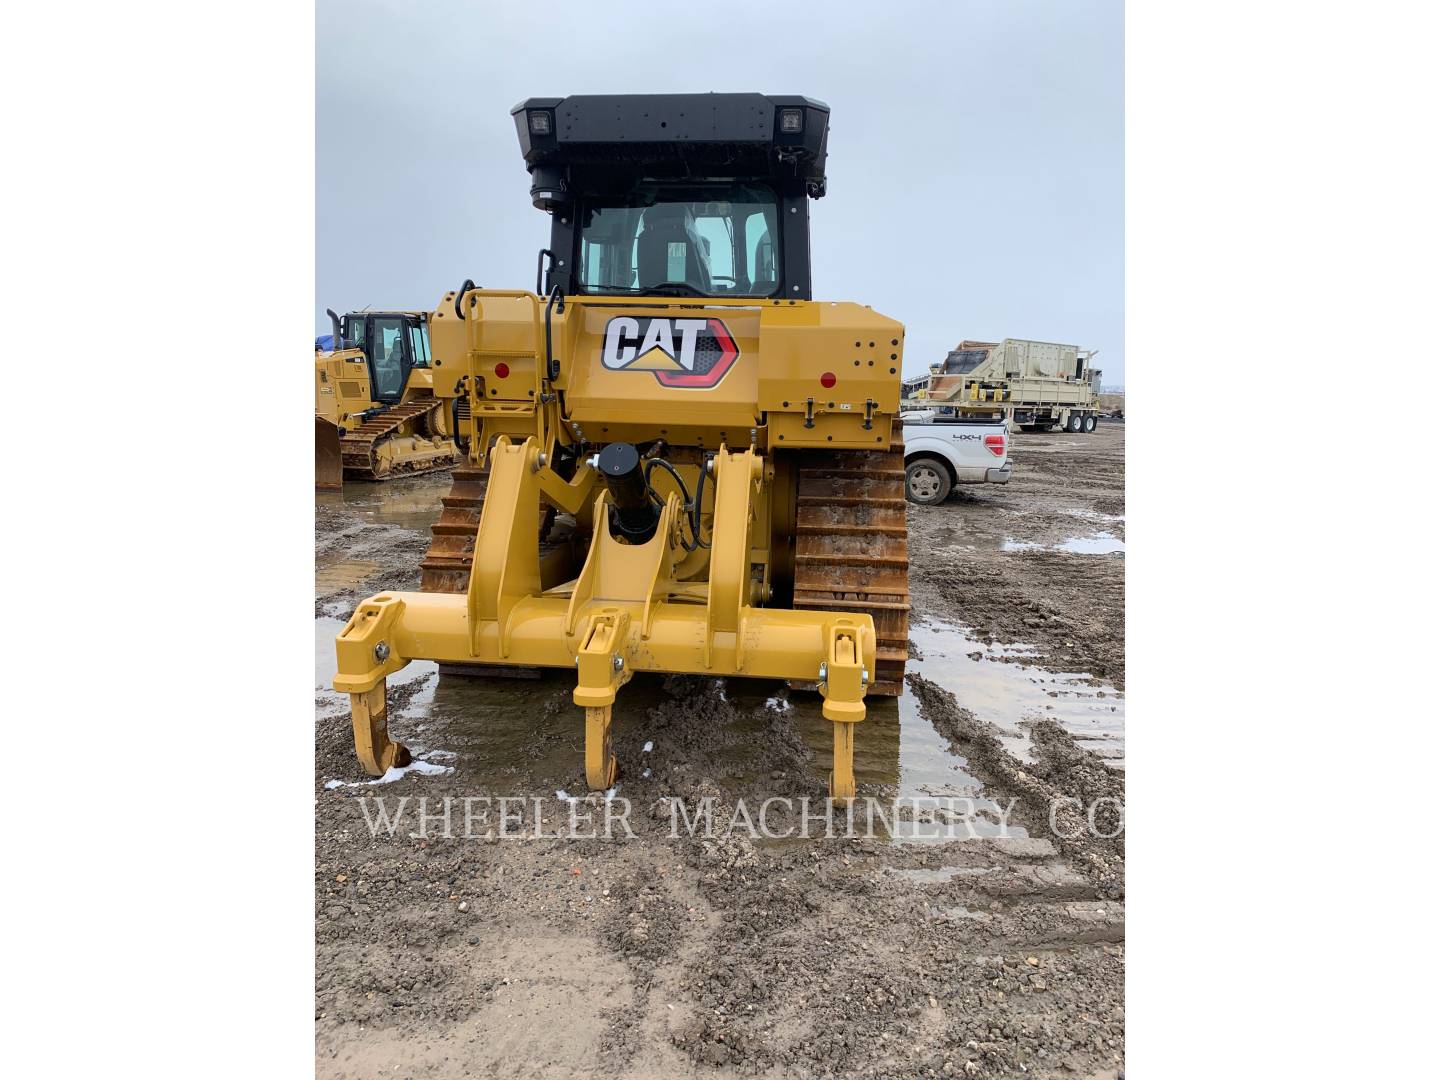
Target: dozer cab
(376, 413)
(678, 460)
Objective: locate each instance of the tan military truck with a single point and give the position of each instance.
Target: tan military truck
(1033, 385)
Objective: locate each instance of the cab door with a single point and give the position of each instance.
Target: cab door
(390, 357)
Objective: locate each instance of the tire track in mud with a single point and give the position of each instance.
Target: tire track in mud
(1066, 781)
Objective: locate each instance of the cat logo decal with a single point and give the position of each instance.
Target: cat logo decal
(692, 354)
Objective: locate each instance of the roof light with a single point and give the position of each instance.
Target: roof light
(539, 122)
(792, 121)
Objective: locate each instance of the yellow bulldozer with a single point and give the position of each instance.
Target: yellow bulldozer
(678, 461)
(376, 412)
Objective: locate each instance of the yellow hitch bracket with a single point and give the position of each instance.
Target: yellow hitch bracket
(599, 665)
(842, 682)
(602, 671)
(365, 653)
(844, 678)
(365, 650)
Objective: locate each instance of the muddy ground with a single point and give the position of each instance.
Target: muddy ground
(663, 956)
(1065, 487)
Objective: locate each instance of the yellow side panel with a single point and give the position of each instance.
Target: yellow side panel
(804, 341)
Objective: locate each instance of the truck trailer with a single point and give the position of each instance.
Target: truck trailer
(1032, 385)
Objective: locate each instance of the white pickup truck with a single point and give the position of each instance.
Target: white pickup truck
(941, 452)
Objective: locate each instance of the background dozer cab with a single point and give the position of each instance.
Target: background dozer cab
(376, 413)
(678, 461)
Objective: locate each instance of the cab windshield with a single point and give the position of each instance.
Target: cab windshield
(681, 239)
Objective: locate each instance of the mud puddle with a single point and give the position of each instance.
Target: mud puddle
(335, 573)
(993, 536)
(412, 503)
(1102, 543)
(996, 683)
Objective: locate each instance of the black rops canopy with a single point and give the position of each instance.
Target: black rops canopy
(584, 142)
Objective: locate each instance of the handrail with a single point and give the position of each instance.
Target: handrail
(540, 269)
(459, 296)
(552, 366)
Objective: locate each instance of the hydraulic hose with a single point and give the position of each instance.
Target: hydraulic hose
(692, 506)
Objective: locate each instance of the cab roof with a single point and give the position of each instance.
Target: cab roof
(780, 137)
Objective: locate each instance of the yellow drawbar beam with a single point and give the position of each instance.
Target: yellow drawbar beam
(389, 630)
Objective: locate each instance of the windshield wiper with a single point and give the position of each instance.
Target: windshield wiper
(665, 288)
(676, 288)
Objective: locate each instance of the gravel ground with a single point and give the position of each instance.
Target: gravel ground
(654, 956)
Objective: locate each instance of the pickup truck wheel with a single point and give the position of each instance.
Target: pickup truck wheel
(926, 482)
(1089, 424)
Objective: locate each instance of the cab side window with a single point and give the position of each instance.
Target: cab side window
(420, 345)
(354, 332)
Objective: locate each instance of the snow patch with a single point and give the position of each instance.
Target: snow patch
(418, 767)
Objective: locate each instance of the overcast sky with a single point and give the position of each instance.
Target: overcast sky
(976, 155)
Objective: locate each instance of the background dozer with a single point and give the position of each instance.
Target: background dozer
(376, 413)
(678, 461)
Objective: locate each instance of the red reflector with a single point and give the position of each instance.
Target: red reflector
(995, 444)
(502, 371)
(827, 380)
